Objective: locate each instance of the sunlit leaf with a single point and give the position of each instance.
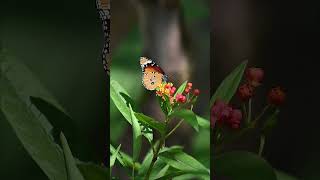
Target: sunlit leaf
(136, 129)
(204, 123)
(124, 159)
(188, 116)
(114, 156)
(183, 162)
(181, 89)
(144, 119)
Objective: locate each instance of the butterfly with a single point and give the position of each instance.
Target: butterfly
(152, 74)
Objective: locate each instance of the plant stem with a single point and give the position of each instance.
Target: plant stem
(156, 152)
(249, 111)
(179, 123)
(244, 109)
(262, 112)
(154, 159)
(262, 141)
(133, 170)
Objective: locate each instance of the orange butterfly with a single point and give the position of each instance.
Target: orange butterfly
(152, 74)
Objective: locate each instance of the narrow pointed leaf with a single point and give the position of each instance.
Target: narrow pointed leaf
(181, 89)
(136, 135)
(72, 169)
(144, 119)
(114, 156)
(229, 85)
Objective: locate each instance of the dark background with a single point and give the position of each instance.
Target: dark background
(60, 41)
(282, 37)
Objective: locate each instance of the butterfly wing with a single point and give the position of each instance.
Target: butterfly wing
(153, 75)
(151, 80)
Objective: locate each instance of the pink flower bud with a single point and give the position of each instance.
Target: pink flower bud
(196, 92)
(254, 76)
(172, 90)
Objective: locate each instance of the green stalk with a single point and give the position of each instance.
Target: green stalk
(156, 152)
(176, 127)
(249, 111)
(262, 142)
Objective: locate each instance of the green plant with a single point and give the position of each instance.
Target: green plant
(230, 124)
(28, 107)
(160, 162)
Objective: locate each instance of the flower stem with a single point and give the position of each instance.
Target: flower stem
(133, 170)
(156, 151)
(249, 111)
(262, 141)
(179, 123)
(154, 159)
(244, 109)
(262, 113)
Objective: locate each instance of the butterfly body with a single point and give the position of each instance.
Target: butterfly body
(152, 74)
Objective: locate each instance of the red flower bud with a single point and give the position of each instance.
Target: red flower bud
(196, 92)
(276, 96)
(181, 98)
(235, 118)
(187, 90)
(172, 90)
(189, 85)
(245, 92)
(254, 76)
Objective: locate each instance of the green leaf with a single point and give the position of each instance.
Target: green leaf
(25, 84)
(240, 165)
(181, 89)
(124, 159)
(182, 175)
(114, 156)
(122, 100)
(148, 121)
(183, 161)
(283, 176)
(204, 123)
(92, 171)
(72, 169)
(229, 85)
(61, 122)
(188, 116)
(136, 135)
(31, 129)
(145, 163)
(118, 94)
(271, 121)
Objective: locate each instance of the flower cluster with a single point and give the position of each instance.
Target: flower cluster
(167, 90)
(183, 97)
(254, 77)
(224, 114)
